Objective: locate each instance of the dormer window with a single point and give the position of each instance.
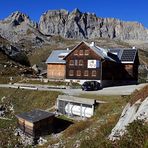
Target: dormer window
(62, 55)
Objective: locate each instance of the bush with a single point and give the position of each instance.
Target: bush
(139, 94)
(136, 136)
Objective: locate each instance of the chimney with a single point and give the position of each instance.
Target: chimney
(134, 47)
(92, 44)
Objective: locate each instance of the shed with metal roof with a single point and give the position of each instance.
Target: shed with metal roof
(56, 64)
(36, 122)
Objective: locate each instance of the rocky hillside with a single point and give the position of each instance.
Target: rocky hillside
(61, 29)
(20, 29)
(13, 52)
(80, 25)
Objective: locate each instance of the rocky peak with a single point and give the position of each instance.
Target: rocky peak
(80, 25)
(18, 16)
(76, 11)
(19, 27)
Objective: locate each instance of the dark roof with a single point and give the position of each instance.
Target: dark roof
(35, 115)
(124, 55)
(128, 55)
(55, 56)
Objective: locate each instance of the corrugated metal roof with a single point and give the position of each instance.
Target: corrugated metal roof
(35, 115)
(55, 56)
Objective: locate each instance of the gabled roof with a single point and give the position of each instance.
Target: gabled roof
(55, 56)
(35, 115)
(98, 50)
(125, 55)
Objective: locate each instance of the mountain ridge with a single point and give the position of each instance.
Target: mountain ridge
(75, 24)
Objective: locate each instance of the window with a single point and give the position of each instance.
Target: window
(81, 52)
(94, 73)
(76, 62)
(76, 52)
(86, 52)
(80, 62)
(71, 62)
(71, 72)
(86, 73)
(78, 72)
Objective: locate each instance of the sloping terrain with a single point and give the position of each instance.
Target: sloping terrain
(17, 101)
(94, 132)
(13, 61)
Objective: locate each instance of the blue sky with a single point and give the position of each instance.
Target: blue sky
(128, 10)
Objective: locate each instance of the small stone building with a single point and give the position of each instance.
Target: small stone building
(36, 123)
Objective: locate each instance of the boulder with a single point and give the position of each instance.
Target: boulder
(139, 110)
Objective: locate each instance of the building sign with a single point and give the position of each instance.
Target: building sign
(93, 64)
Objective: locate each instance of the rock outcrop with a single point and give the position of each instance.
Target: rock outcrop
(139, 110)
(86, 25)
(13, 52)
(19, 28)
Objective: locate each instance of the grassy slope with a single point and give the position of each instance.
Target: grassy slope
(23, 100)
(93, 132)
(105, 115)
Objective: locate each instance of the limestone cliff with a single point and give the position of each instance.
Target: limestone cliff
(19, 27)
(80, 25)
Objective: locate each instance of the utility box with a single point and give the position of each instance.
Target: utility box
(75, 106)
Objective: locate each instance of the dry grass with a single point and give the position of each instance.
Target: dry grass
(139, 94)
(76, 128)
(22, 100)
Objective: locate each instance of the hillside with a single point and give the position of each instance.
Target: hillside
(106, 117)
(59, 29)
(79, 134)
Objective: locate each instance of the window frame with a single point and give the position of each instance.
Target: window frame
(81, 62)
(76, 62)
(78, 73)
(71, 73)
(71, 62)
(86, 75)
(81, 52)
(92, 73)
(86, 52)
(76, 52)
